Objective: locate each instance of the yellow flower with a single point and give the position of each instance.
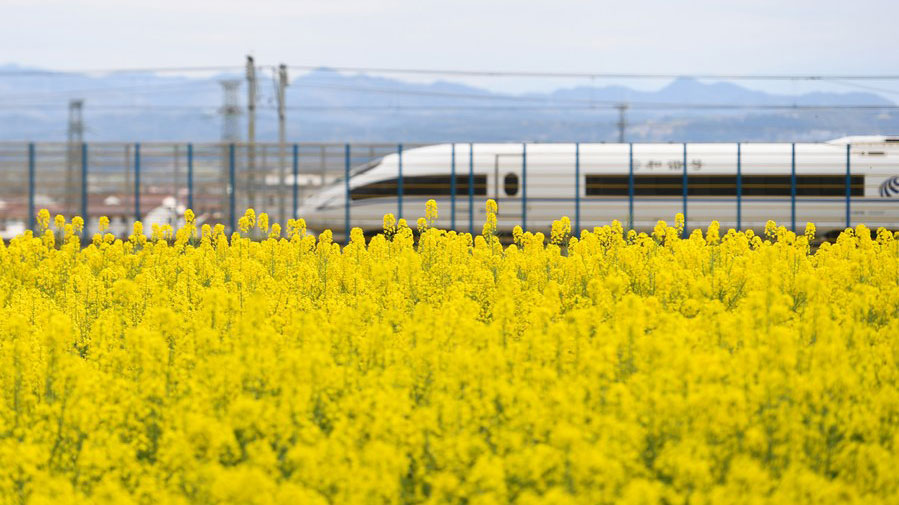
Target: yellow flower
(389, 224)
(492, 208)
(296, 227)
(679, 223)
(560, 231)
(250, 218)
(712, 235)
(78, 224)
(431, 212)
(43, 219)
(628, 366)
(770, 227)
(489, 228)
(810, 231)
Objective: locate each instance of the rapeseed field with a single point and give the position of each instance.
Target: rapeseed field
(428, 366)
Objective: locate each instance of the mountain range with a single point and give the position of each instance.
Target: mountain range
(329, 106)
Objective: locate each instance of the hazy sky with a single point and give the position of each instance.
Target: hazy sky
(749, 37)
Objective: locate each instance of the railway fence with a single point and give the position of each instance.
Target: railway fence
(157, 181)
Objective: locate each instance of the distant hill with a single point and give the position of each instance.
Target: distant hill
(330, 106)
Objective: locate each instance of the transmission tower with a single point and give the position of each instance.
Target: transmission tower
(622, 121)
(230, 111)
(73, 153)
(251, 132)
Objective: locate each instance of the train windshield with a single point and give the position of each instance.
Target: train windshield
(359, 171)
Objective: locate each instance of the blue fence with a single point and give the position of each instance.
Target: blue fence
(222, 188)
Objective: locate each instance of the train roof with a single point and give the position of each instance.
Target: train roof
(867, 139)
(586, 148)
(462, 148)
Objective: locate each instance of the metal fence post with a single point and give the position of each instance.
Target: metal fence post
(190, 176)
(453, 186)
(848, 187)
(84, 185)
(347, 194)
(685, 190)
(296, 182)
(471, 188)
(524, 186)
(577, 189)
(739, 187)
(399, 182)
(137, 181)
(31, 215)
(630, 186)
(232, 189)
(793, 187)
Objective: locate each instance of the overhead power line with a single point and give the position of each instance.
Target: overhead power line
(599, 75)
(631, 106)
(868, 88)
(105, 71)
(455, 72)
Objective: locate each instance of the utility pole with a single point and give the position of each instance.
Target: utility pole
(622, 121)
(230, 133)
(282, 140)
(251, 132)
(73, 153)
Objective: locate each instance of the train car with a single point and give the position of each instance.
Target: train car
(852, 179)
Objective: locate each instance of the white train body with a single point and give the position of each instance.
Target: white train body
(535, 184)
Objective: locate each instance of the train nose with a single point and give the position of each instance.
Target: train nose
(319, 213)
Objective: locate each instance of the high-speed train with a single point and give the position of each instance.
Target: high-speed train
(739, 185)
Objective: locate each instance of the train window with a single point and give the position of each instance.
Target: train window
(510, 184)
(806, 185)
(724, 185)
(766, 185)
(711, 185)
(375, 190)
(644, 185)
(829, 185)
(479, 189)
(659, 185)
(606, 185)
(421, 185)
